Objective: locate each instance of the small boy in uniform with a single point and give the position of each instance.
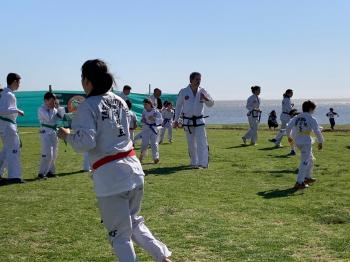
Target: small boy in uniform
(299, 132)
(331, 115)
(49, 113)
(132, 120)
(168, 115)
(151, 121)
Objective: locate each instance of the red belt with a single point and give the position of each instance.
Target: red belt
(111, 158)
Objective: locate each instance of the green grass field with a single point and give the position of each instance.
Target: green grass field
(241, 209)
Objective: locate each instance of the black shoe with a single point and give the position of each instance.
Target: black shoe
(14, 181)
(3, 181)
(41, 176)
(273, 140)
(50, 174)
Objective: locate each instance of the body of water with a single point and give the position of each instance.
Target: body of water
(234, 112)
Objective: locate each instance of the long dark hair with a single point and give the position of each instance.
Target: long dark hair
(96, 71)
(288, 91)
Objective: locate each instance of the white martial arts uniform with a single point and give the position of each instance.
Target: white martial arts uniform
(254, 113)
(151, 124)
(155, 104)
(154, 101)
(300, 128)
(123, 96)
(10, 154)
(48, 118)
(86, 162)
(101, 128)
(168, 120)
(331, 115)
(132, 124)
(287, 107)
(191, 108)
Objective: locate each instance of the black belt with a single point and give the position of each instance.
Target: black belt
(194, 121)
(258, 115)
(165, 121)
(151, 126)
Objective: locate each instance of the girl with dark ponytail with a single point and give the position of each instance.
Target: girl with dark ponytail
(286, 116)
(101, 128)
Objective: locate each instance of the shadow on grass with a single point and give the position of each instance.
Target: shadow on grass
(71, 173)
(282, 156)
(348, 147)
(269, 148)
(284, 171)
(4, 181)
(277, 193)
(239, 146)
(29, 180)
(277, 172)
(166, 170)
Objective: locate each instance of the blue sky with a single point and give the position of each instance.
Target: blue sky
(303, 45)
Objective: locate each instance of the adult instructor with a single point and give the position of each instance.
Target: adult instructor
(190, 106)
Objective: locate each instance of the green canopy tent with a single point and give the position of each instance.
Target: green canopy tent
(30, 101)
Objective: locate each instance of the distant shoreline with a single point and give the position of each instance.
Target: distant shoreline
(294, 99)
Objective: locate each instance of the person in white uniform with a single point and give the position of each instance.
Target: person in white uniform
(155, 99)
(285, 117)
(331, 116)
(10, 154)
(101, 128)
(49, 113)
(299, 131)
(168, 115)
(190, 106)
(151, 123)
(254, 115)
(125, 93)
(156, 103)
(132, 120)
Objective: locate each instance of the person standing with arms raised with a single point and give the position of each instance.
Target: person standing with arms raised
(190, 106)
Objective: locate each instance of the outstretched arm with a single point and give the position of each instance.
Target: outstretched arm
(84, 127)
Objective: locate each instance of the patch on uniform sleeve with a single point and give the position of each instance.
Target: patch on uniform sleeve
(14, 151)
(187, 97)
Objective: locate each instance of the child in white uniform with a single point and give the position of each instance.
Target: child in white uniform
(331, 115)
(10, 154)
(299, 131)
(151, 123)
(168, 115)
(101, 128)
(49, 113)
(254, 115)
(286, 115)
(132, 120)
